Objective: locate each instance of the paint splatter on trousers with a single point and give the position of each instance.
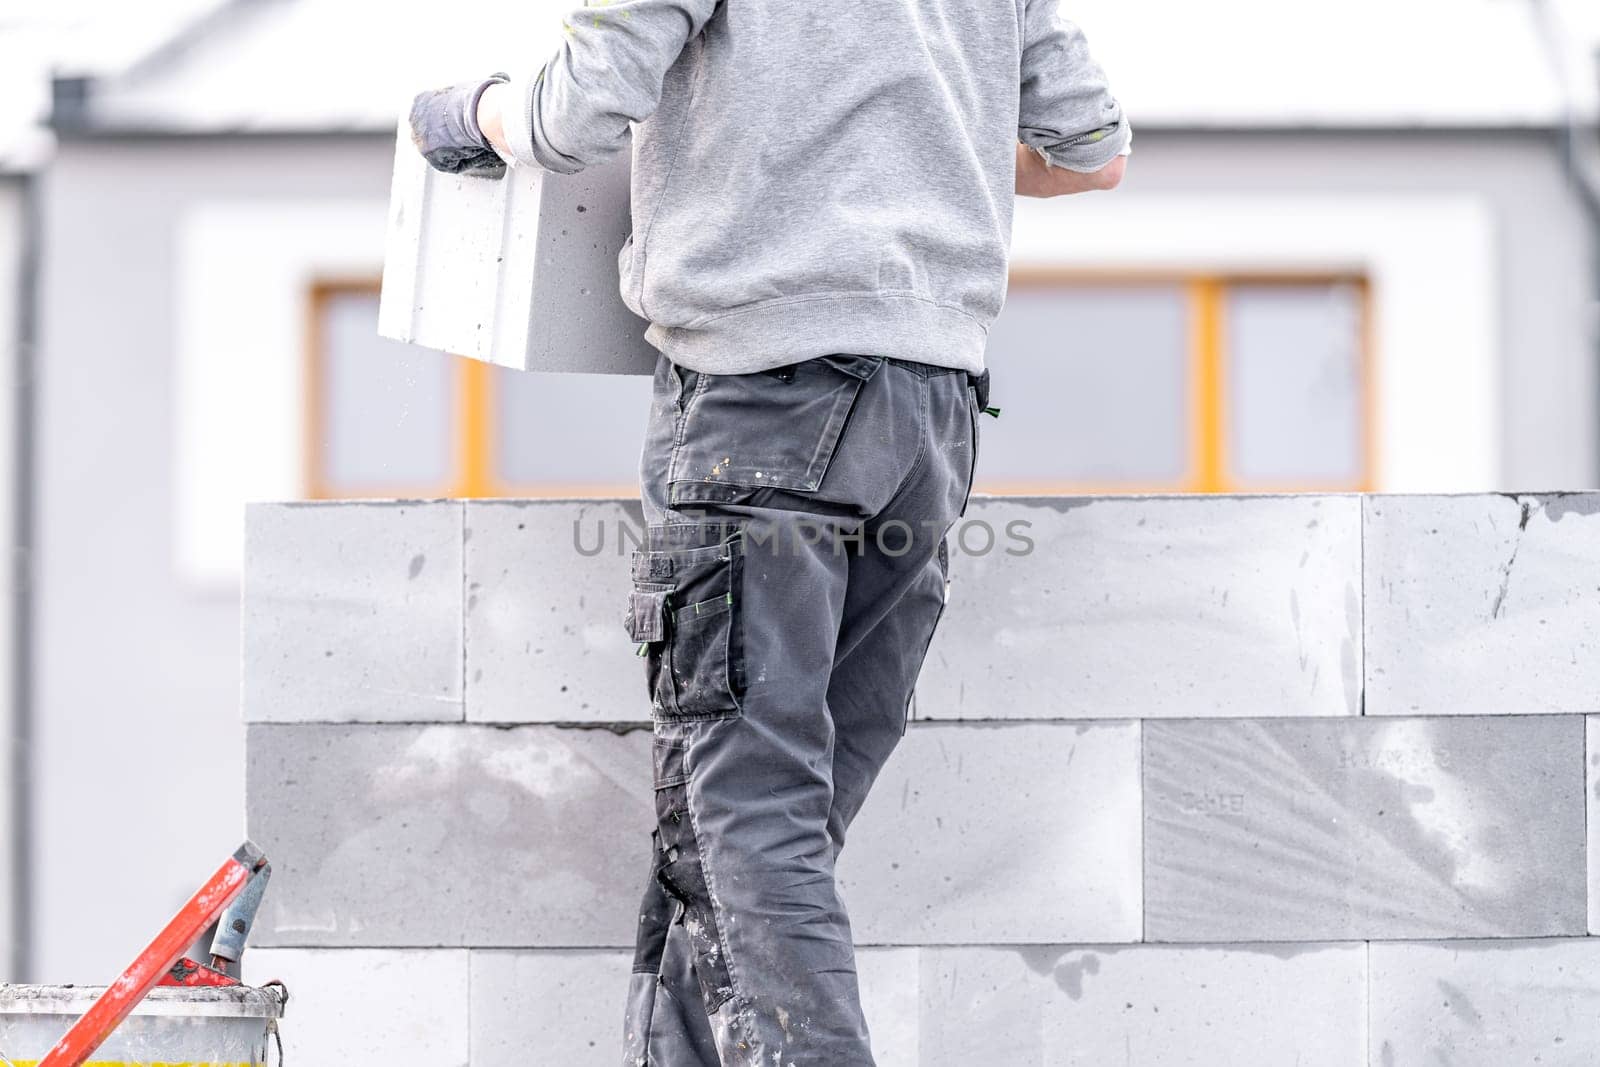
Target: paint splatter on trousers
(793, 573)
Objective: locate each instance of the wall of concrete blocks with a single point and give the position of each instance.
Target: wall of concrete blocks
(1228, 781)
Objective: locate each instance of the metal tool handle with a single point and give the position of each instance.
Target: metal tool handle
(234, 927)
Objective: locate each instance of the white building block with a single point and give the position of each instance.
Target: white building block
(1486, 1003)
(549, 1007)
(1145, 1006)
(450, 835)
(519, 270)
(352, 613)
(891, 997)
(547, 584)
(1150, 607)
(564, 1007)
(401, 1008)
(1365, 827)
(1014, 832)
(538, 836)
(1592, 815)
(1486, 605)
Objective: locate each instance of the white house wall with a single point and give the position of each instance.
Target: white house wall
(138, 752)
(244, 269)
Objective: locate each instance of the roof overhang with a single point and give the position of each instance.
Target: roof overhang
(325, 66)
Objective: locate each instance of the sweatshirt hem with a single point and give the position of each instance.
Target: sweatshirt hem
(784, 331)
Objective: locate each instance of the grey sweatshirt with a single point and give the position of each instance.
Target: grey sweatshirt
(816, 176)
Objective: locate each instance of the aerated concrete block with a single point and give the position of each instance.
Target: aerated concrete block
(1486, 1004)
(1147, 1006)
(891, 999)
(547, 584)
(1592, 795)
(519, 270)
(1006, 832)
(1483, 604)
(352, 612)
(1364, 828)
(1150, 607)
(565, 1006)
(360, 1006)
(551, 1006)
(535, 836)
(455, 835)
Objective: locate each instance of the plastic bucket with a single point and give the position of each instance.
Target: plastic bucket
(226, 1026)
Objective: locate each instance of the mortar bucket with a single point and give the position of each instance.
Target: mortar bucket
(198, 1026)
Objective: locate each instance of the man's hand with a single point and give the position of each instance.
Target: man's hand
(444, 127)
(1035, 177)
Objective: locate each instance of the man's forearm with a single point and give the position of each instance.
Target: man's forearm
(1035, 177)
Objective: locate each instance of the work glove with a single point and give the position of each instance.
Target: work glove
(444, 127)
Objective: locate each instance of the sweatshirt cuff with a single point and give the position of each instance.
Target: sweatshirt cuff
(519, 121)
(1090, 152)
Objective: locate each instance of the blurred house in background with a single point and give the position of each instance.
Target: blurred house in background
(1355, 251)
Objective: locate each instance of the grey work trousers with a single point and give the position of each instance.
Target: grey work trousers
(793, 571)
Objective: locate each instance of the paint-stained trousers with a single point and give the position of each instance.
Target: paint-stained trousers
(793, 572)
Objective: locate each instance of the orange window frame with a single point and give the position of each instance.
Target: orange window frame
(1207, 292)
(474, 475)
(473, 467)
(319, 295)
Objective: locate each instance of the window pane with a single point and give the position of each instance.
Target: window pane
(388, 409)
(569, 432)
(1293, 368)
(1093, 383)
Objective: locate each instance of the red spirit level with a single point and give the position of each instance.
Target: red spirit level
(158, 961)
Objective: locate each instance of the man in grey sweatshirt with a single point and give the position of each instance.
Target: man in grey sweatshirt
(822, 203)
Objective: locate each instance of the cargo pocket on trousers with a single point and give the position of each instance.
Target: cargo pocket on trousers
(774, 429)
(684, 611)
(681, 871)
